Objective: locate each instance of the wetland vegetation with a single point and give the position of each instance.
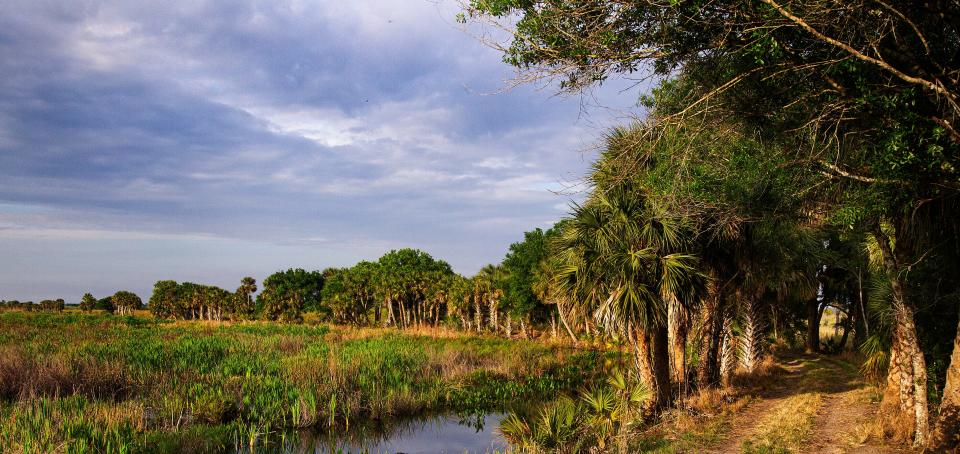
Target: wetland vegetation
(794, 160)
(78, 382)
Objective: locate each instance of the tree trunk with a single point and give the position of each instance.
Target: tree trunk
(728, 354)
(861, 330)
(708, 370)
(751, 337)
(911, 366)
(509, 325)
(678, 324)
(523, 328)
(946, 434)
(813, 326)
(553, 326)
(563, 321)
(660, 363)
(642, 352)
(847, 326)
(478, 316)
(389, 318)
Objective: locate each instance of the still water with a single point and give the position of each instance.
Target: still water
(445, 434)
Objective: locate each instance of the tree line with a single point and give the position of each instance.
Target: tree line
(122, 303)
(404, 288)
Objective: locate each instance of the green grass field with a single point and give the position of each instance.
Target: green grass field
(76, 382)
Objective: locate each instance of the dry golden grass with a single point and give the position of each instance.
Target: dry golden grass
(24, 376)
(787, 426)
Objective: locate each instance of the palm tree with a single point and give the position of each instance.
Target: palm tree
(88, 302)
(545, 288)
(243, 305)
(623, 262)
(490, 280)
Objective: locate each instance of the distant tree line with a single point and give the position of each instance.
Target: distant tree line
(403, 288)
(56, 305)
(121, 303)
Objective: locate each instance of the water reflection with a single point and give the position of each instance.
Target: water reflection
(438, 434)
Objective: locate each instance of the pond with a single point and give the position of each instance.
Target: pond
(437, 434)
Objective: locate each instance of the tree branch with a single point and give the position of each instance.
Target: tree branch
(936, 87)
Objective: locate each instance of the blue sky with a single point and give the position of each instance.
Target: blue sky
(210, 140)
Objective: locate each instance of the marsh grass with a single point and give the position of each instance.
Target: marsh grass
(76, 382)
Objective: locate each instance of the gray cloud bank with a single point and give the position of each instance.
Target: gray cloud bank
(213, 139)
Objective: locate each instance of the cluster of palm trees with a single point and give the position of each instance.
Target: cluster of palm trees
(697, 265)
(201, 302)
(409, 288)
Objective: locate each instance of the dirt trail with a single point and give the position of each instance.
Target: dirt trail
(841, 421)
(744, 425)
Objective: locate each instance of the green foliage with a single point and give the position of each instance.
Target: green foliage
(52, 305)
(351, 294)
(165, 299)
(288, 293)
(88, 302)
(415, 285)
(243, 305)
(621, 258)
(521, 267)
(125, 302)
(591, 422)
(156, 385)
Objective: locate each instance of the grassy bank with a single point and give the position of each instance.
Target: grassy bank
(75, 382)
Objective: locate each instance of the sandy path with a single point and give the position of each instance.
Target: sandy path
(842, 417)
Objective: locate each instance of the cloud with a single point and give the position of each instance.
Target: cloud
(339, 126)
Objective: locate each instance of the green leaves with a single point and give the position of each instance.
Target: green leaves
(623, 258)
(287, 293)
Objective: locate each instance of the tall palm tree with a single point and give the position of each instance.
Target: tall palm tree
(623, 261)
(244, 297)
(491, 279)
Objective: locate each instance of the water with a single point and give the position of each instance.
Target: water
(445, 434)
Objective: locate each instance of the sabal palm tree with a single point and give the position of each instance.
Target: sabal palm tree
(623, 260)
(545, 288)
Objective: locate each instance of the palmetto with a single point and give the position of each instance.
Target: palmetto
(621, 261)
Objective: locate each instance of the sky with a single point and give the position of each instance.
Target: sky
(205, 141)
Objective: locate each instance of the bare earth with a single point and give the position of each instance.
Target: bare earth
(842, 421)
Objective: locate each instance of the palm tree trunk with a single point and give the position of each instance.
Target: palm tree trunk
(708, 370)
(728, 354)
(642, 352)
(751, 350)
(660, 363)
(478, 316)
(912, 366)
(389, 318)
(677, 322)
(946, 434)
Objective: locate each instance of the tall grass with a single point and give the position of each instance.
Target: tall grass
(80, 382)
